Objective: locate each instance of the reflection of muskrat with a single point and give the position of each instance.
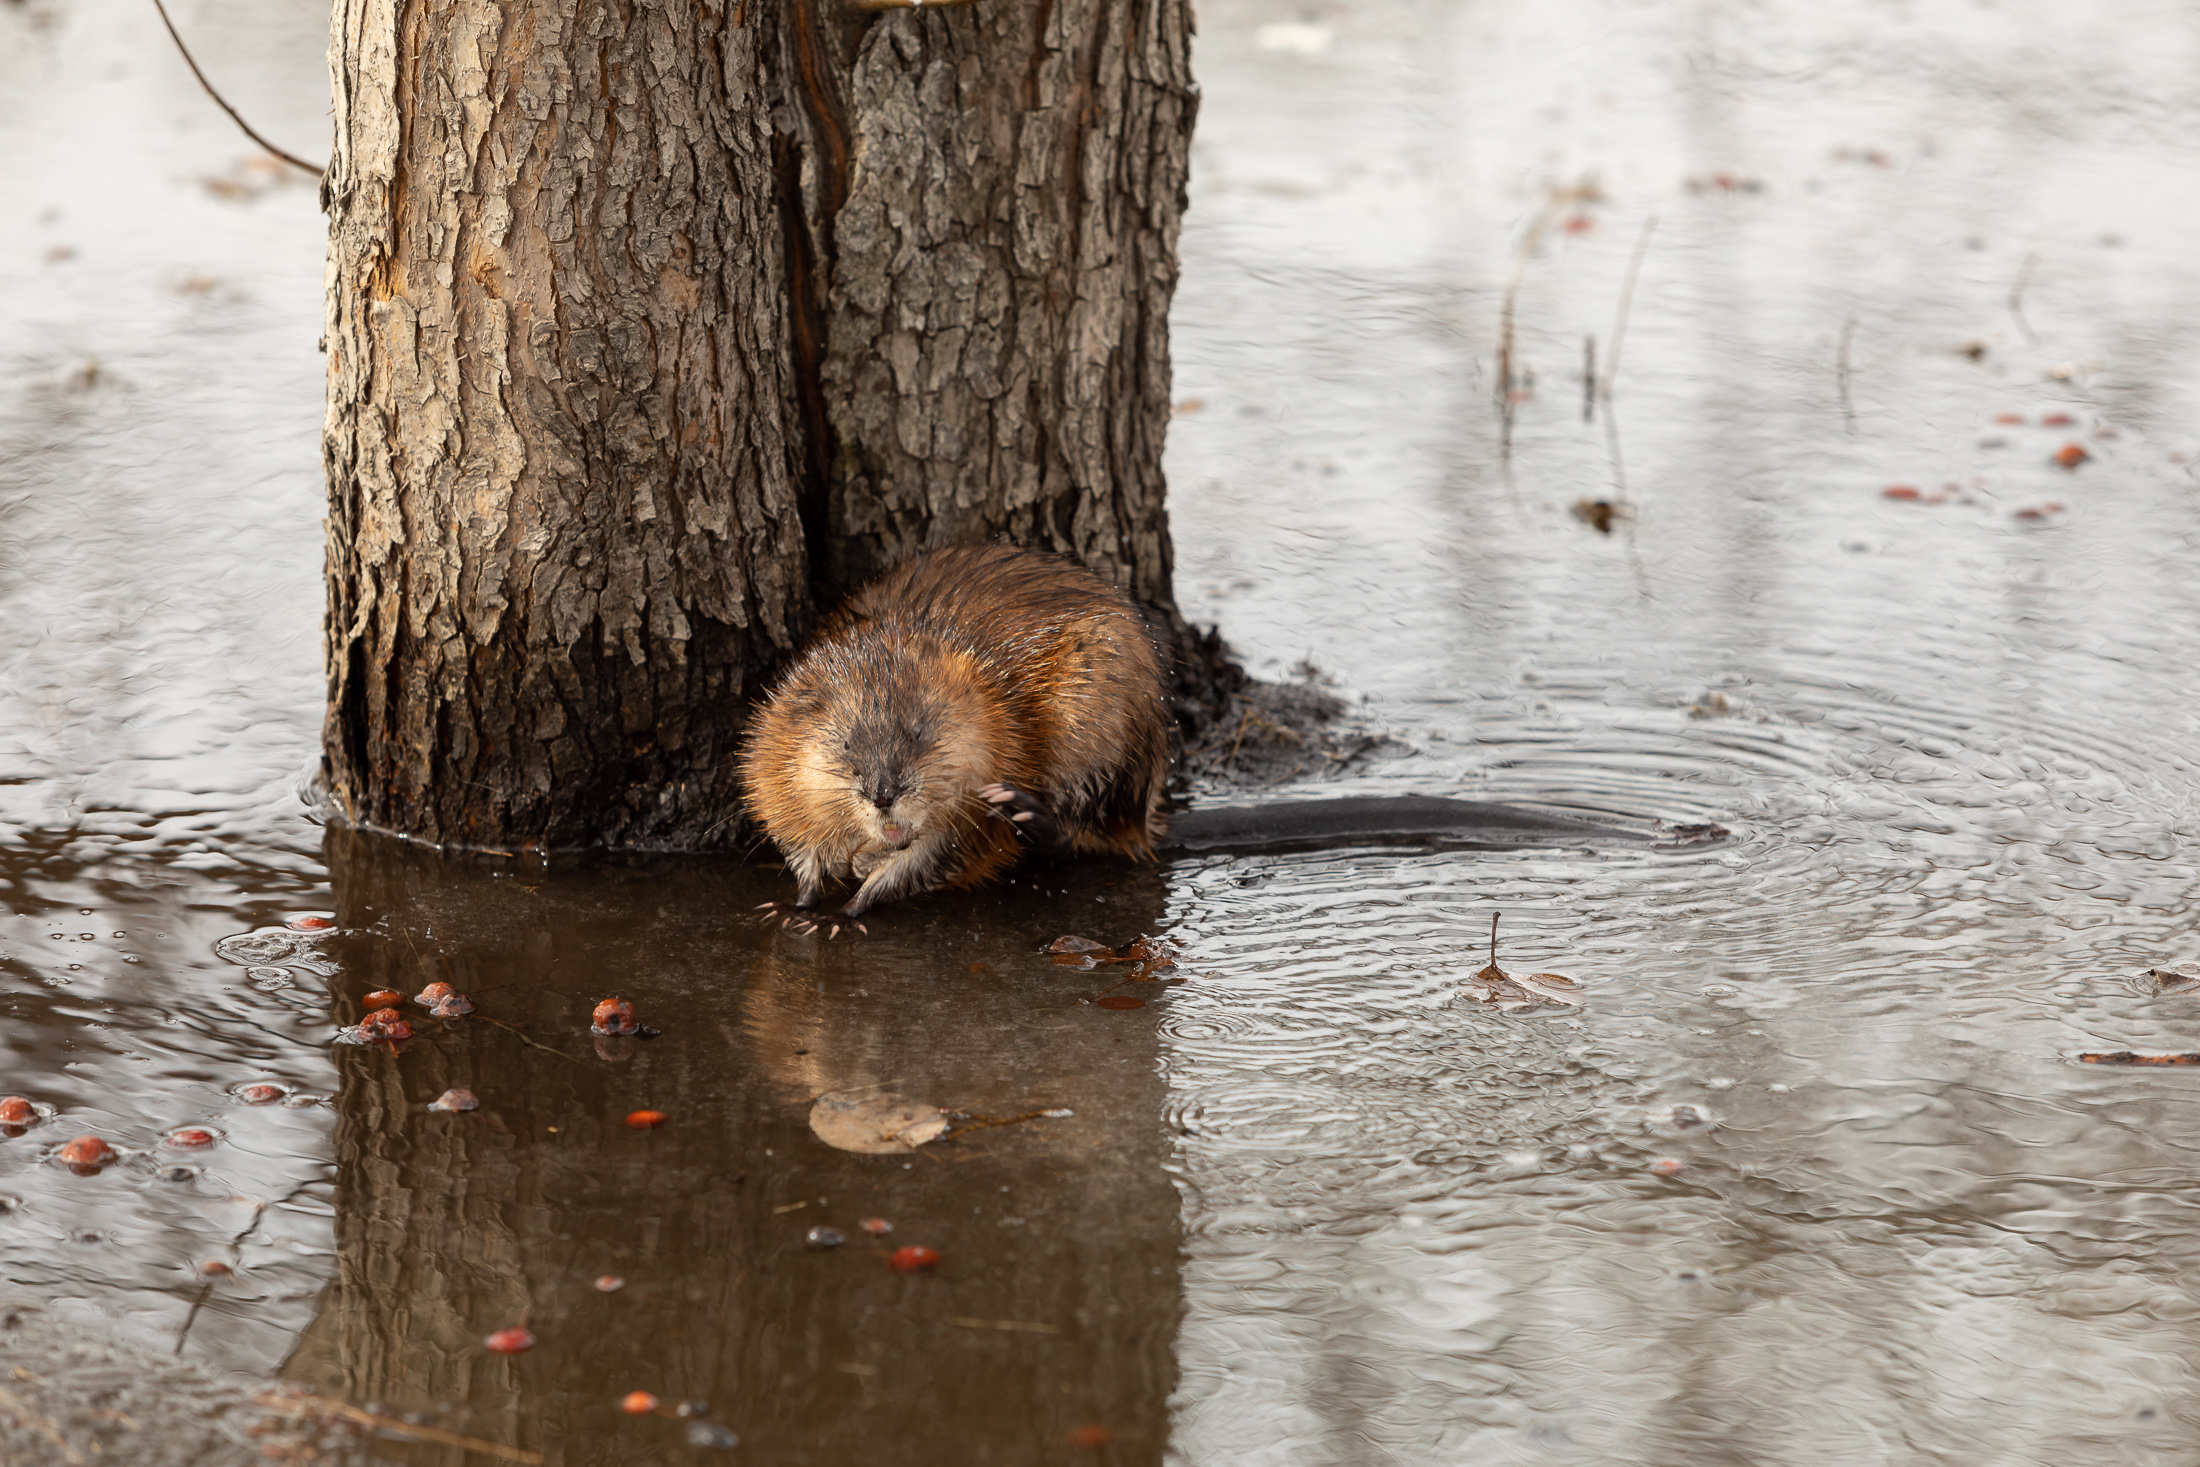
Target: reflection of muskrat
(968, 684)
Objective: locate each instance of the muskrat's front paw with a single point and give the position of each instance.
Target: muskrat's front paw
(1013, 802)
(807, 921)
(1033, 819)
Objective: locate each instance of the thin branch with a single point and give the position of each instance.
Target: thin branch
(291, 158)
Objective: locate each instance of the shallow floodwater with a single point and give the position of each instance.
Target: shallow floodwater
(1811, 1176)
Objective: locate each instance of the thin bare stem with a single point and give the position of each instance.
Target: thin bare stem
(1589, 378)
(291, 158)
(1493, 939)
(1841, 371)
(1626, 305)
(2016, 294)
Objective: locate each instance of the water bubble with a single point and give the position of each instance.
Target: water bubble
(1720, 1082)
(1718, 990)
(132, 958)
(711, 1434)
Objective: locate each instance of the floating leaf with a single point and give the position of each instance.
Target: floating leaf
(875, 1122)
(1075, 945)
(455, 1100)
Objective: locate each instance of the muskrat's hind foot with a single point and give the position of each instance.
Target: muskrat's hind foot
(1034, 821)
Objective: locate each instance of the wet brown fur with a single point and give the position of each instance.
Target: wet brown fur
(965, 668)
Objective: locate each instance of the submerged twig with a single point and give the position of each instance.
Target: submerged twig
(234, 116)
(306, 1405)
(1589, 378)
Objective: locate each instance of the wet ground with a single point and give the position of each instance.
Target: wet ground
(1810, 1175)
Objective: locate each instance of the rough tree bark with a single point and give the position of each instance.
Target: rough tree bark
(655, 327)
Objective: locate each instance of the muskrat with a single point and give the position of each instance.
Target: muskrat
(965, 704)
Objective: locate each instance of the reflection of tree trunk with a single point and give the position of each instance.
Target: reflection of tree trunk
(653, 326)
(451, 1226)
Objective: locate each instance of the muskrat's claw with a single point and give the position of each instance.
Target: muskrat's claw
(1001, 794)
(1034, 821)
(806, 921)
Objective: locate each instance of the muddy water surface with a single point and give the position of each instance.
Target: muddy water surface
(1811, 1176)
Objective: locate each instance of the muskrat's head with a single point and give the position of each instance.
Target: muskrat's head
(897, 760)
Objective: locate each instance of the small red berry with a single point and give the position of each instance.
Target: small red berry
(613, 1016)
(433, 994)
(385, 1024)
(16, 1111)
(1091, 1436)
(610, 1283)
(510, 1341)
(311, 924)
(1668, 1166)
(384, 998)
(645, 1120)
(214, 1268)
(261, 1094)
(914, 1260)
(86, 1153)
(190, 1138)
(637, 1403)
(877, 1227)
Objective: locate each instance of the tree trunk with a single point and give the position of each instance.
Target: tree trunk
(654, 329)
